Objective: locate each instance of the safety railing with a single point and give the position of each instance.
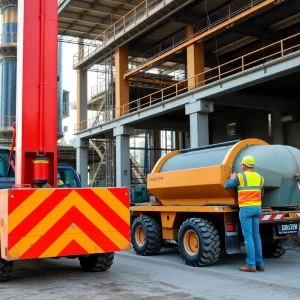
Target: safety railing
(240, 64)
(100, 88)
(7, 121)
(137, 170)
(220, 16)
(97, 90)
(8, 38)
(127, 20)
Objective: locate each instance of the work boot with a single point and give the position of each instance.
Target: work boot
(247, 269)
(260, 268)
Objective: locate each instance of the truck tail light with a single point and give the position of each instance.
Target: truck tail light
(231, 228)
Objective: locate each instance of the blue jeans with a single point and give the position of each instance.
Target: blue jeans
(249, 217)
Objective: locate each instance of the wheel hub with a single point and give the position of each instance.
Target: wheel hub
(191, 242)
(140, 236)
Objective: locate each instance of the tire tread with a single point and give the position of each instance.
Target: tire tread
(97, 262)
(274, 250)
(210, 242)
(154, 240)
(6, 268)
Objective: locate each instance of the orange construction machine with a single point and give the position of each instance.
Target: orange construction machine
(193, 210)
(37, 219)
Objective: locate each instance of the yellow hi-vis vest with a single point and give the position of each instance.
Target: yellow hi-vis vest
(249, 190)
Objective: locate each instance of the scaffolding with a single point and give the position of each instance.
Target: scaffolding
(102, 98)
(102, 170)
(110, 150)
(102, 104)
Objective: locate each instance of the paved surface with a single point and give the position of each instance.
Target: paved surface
(162, 277)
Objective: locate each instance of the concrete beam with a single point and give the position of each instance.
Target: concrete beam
(255, 101)
(94, 8)
(123, 130)
(86, 19)
(203, 106)
(164, 124)
(257, 32)
(276, 68)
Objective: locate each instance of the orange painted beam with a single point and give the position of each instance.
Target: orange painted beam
(195, 61)
(183, 208)
(122, 84)
(153, 81)
(203, 36)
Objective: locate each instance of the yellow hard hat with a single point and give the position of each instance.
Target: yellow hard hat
(248, 160)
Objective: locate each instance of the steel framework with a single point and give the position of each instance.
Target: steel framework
(240, 64)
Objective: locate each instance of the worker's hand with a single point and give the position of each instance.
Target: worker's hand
(233, 176)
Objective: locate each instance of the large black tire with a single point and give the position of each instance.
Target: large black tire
(6, 268)
(199, 242)
(97, 262)
(146, 236)
(274, 250)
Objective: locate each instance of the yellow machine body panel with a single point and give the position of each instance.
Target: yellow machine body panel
(196, 185)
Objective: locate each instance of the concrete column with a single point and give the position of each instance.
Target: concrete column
(187, 140)
(195, 61)
(277, 128)
(199, 131)
(179, 140)
(122, 135)
(82, 93)
(82, 148)
(155, 144)
(122, 85)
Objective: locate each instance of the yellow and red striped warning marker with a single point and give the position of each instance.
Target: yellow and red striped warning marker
(41, 223)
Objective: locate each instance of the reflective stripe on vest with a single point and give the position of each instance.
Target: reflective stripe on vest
(249, 190)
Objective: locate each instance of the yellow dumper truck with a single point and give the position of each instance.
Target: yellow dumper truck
(193, 210)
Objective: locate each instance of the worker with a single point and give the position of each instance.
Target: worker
(59, 181)
(249, 186)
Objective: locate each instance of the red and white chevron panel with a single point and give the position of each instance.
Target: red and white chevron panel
(272, 217)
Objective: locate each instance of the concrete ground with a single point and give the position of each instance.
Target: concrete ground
(162, 277)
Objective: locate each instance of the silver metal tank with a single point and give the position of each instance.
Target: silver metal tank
(8, 63)
(278, 164)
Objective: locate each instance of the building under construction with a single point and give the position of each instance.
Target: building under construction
(175, 74)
